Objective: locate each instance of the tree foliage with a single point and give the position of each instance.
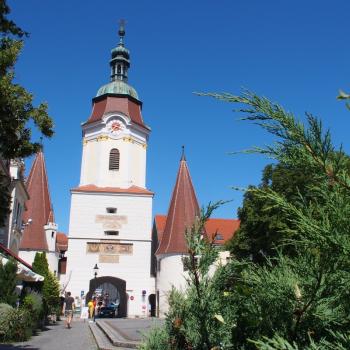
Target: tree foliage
(8, 277)
(295, 298)
(40, 264)
(50, 288)
(17, 111)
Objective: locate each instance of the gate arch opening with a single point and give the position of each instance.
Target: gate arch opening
(114, 288)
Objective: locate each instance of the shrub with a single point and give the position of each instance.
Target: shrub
(16, 325)
(8, 276)
(5, 310)
(33, 302)
(156, 339)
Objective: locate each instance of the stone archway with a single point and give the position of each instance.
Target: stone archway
(118, 284)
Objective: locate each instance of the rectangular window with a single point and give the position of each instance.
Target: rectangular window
(14, 215)
(111, 210)
(19, 214)
(112, 233)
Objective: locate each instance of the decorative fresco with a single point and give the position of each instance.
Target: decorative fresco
(109, 248)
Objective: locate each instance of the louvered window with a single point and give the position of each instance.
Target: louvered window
(114, 158)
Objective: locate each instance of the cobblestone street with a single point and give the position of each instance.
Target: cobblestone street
(57, 337)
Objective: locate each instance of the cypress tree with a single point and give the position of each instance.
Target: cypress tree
(8, 276)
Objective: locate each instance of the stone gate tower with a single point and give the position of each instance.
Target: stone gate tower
(111, 209)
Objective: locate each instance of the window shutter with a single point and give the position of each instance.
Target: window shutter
(114, 157)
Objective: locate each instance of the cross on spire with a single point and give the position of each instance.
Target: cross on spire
(121, 31)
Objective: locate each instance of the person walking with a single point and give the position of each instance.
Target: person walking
(91, 309)
(68, 309)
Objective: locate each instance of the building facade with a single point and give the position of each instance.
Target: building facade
(109, 253)
(12, 173)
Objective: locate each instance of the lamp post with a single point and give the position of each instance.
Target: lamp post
(95, 270)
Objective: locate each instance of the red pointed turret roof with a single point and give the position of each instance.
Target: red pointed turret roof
(39, 210)
(182, 212)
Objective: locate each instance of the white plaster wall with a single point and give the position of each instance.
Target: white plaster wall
(95, 163)
(97, 144)
(171, 274)
(83, 228)
(85, 206)
(134, 269)
(222, 260)
(50, 229)
(29, 256)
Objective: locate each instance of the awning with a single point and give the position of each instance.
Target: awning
(24, 273)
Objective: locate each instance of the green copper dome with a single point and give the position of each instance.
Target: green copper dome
(117, 87)
(120, 50)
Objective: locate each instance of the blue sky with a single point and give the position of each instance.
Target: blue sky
(293, 52)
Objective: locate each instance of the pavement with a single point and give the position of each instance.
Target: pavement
(121, 333)
(104, 334)
(57, 337)
(131, 329)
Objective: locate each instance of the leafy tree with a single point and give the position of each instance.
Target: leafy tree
(50, 287)
(51, 293)
(302, 298)
(40, 264)
(291, 301)
(263, 224)
(8, 276)
(16, 104)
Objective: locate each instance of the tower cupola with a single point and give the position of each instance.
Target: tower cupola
(120, 61)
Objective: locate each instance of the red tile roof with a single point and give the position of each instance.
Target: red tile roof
(130, 190)
(182, 212)
(61, 241)
(124, 104)
(39, 208)
(224, 227)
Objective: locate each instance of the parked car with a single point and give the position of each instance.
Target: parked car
(107, 311)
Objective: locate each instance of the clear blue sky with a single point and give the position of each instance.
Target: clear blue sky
(294, 52)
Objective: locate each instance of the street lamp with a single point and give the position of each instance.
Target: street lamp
(95, 270)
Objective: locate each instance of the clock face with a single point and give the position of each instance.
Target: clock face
(115, 126)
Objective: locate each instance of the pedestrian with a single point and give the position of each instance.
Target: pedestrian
(95, 305)
(91, 309)
(68, 309)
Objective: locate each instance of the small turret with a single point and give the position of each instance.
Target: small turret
(51, 233)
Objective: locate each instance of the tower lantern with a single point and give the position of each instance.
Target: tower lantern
(120, 61)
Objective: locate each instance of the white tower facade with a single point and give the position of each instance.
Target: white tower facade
(111, 209)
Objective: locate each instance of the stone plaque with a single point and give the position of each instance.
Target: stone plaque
(111, 222)
(109, 259)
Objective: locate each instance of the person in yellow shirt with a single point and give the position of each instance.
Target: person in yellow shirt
(91, 307)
